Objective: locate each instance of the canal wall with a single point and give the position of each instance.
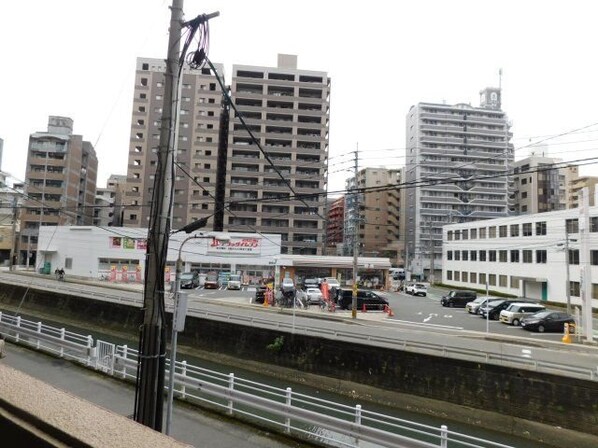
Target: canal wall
(475, 393)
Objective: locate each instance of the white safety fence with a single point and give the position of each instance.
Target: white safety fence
(320, 421)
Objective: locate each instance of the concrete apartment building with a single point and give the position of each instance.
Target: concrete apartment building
(574, 186)
(456, 157)
(11, 199)
(379, 214)
(60, 183)
(540, 189)
(197, 144)
(287, 110)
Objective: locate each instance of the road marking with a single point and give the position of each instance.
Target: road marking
(430, 317)
(449, 316)
(420, 324)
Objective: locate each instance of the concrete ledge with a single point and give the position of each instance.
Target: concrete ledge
(34, 411)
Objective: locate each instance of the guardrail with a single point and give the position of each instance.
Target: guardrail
(320, 421)
(389, 340)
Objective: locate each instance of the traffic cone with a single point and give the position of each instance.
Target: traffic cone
(363, 310)
(566, 336)
(386, 308)
(390, 313)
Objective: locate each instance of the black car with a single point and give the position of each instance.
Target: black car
(370, 299)
(189, 280)
(458, 298)
(260, 294)
(496, 306)
(547, 321)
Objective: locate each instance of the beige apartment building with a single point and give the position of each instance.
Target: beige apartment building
(575, 185)
(379, 214)
(197, 144)
(60, 183)
(538, 188)
(287, 110)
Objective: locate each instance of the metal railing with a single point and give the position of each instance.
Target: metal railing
(320, 421)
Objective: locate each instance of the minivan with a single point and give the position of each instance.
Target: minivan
(458, 298)
(517, 311)
(370, 299)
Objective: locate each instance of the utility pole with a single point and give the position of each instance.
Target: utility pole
(432, 254)
(585, 272)
(149, 399)
(355, 236)
(14, 233)
(567, 280)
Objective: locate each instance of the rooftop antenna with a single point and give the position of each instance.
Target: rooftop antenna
(500, 79)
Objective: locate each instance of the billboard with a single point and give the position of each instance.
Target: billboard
(235, 246)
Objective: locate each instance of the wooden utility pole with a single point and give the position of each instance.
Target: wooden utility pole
(149, 399)
(14, 234)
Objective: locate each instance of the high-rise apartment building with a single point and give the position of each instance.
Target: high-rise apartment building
(574, 187)
(197, 144)
(287, 110)
(378, 213)
(335, 223)
(109, 209)
(60, 183)
(538, 187)
(457, 157)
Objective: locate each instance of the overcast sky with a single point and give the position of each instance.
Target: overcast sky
(77, 59)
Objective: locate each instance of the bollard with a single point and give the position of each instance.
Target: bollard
(566, 336)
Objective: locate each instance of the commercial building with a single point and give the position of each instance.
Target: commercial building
(287, 110)
(523, 256)
(109, 202)
(378, 213)
(541, 184)
(60, 183)
(575, 185)
(197, 144)
(11, 199)
(456, 160)
(335, 223)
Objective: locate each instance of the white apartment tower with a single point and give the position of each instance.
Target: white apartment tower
(287, 110)
(457, 159)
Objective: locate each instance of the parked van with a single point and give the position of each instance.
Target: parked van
(517, 311)
(370, 299)
(458, 298)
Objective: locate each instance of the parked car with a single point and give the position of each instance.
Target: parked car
(458, 298)
(474, 307)
(547, 321)
(211, 281)
(370, 299)
(417, 289)
(234, 282)
(287, 286)
(189, 280)
(487, 311)
(313, 295)
(517, 311)
(311, 283)
(332, 282)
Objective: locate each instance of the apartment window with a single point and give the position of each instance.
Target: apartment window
(144, 66)
(473, 277)
(139, 135)
(514, 282)
(541, 256)
(527, 229)
(144, 82)
(491, 255)
(502, 256)
(457, 235)
(482, 255)
(482, 232)
(572, 225)
(142, 96)
(482, 279)
(502, 231)
(574, 288)
(594, 291)
(492, 279)
(464, 255)
(457, 276)
(541, 228)
(573, 256)
(473, 255)
(524, 195)
(449, 235)
(502, 281)
(141, 109)
(527, 256)
(473, 234)
(133, 217)
(449, 255)
(492, 232)
(68, 263)
(449, 275)
(594, 224)
(140, 122)
(464, 277)
(514, 230)
(465, 234)
(207, 166)
(594, 257)
(515, 256)
(457, 255)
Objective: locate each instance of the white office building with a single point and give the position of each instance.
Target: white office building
(523, 255)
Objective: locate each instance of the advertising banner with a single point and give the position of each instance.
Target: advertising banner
(236, 246)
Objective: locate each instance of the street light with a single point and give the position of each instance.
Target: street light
(178, 321)
(567, 275)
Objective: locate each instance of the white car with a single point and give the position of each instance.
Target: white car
(332, 282)
(234, 282)
(474, 307)
(417, 289)
(314, 295)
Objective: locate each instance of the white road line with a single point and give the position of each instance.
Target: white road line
(420, 324)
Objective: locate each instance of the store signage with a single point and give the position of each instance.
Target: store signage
(250, 246)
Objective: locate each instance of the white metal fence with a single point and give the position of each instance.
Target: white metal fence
(321, 421)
